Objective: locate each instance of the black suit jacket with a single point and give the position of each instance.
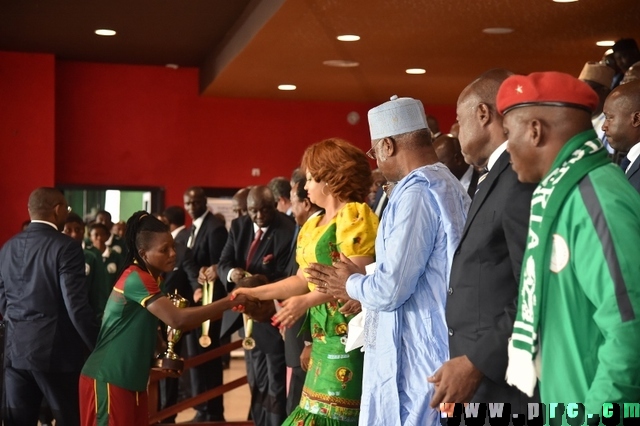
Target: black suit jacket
(184, 277)
(270, 259)
(380, 199)
(293, 339)
(483, 291)
(44, 301)
(633, 174)
(210, 241)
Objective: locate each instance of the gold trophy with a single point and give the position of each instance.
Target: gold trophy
(207, 298)
(169, 361)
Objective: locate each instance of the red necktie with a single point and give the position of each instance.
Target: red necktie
(254, 246)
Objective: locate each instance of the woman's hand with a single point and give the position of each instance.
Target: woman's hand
(351, 307)
(244, 291)
(244, 302)
(292, 309)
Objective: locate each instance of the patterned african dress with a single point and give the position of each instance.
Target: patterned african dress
(332, 389)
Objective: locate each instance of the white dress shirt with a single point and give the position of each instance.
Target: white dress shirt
(633, 155)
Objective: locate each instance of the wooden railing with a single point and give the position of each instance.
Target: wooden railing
(155, 416)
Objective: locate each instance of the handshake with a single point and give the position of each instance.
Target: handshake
(261, 312)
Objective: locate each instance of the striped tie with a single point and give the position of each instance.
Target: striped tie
(482, 177)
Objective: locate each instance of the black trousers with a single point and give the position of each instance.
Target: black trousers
(24, 390)
(208, 375)
(267, 377)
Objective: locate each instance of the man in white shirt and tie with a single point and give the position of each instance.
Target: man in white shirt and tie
(599, 77)
(622, 127)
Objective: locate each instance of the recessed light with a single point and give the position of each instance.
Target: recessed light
(340, 63)
(415, 71)
(287, 87)
(497, 30)
(348, 37)
(605, 43)
(564, 1)
(105, 32)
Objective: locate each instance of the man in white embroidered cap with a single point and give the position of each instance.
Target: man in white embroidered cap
(406, 335)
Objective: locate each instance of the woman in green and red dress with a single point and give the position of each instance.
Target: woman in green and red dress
(113, 382)
(338, 180)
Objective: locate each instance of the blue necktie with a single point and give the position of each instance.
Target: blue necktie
(624, 164)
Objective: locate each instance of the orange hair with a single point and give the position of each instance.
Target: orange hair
(343, 167)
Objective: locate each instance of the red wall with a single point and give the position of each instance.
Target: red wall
(126, 125)
(26, 133)
(140, 125)
(137, 125)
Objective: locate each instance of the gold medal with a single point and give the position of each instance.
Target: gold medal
(248, 343)
(205, 341)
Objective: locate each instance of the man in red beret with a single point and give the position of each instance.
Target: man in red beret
(578, 323)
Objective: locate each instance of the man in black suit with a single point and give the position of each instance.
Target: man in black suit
(207, 237)
(260, 243)
(296, 345)
(449, 153)
(622, 127)
(183, 280)
(377, 198)
(281, 189)
(50, 325)
(484, 282)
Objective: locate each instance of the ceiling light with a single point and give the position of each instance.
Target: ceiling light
(497, 30)
(416, 71)
(105, 32)
(340, 63)
(286, 87)
(564, 1)
(348, 37)
(606, 43)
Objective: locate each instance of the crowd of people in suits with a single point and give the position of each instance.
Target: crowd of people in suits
(494, 263)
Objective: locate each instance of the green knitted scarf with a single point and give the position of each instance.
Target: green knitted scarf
(580, 155)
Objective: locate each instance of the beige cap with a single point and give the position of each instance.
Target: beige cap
(395, 117)
(598, 73)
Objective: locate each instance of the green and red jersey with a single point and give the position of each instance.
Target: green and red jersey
(126, 343)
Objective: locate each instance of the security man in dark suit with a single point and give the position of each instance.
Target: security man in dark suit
(449, 153)
(294, 341)
(260, 243)
(622, 127)
(207, 237)
(485, 274)
(183, 280)
(50, 326)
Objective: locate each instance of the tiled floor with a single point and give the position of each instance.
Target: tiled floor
(236, 402)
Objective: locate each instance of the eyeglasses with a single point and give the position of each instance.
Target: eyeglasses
(372, 152)
(68, 207)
